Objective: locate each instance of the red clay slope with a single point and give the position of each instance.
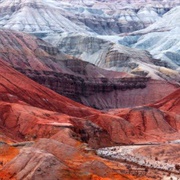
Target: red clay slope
(29, 111)
(15, 87)
(170, 103)
(93, 127)
(78, 80)
(21, 97)
(60, 154)
(160, 120)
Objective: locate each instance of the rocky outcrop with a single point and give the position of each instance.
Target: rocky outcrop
(161, 39)
(148, 120)
(106, 52)
(15, 87)
(98, 50)
(60, 127)
(44, 135)
(19, 95)
(79, 80)
(103, 93)
(78, 88)
(22, 50)
(159, 116)
(101, 17)
(130, 98)
(63, 161)
(170, 103)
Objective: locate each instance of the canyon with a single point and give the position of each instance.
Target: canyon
(89, 90)
(102, 17)
(83, 81)
(37, 115)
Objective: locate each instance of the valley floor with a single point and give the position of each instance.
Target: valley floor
(140, 161)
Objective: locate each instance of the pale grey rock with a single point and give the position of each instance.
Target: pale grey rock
(161, 39)
(49, 18)
(110, 55)
(98, 17)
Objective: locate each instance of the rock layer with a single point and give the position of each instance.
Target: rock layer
(160, 116)
(106, 52)
(78, 80)
(101, 17)
(29, 111)
(89, 123)
(161, 39)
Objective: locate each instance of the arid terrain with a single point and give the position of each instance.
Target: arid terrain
(45, 130)
(89, 90)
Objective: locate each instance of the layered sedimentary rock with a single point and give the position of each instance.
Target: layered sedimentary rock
(105, 52)
(21, 116)
(31, 112)
(16, 88)
(55, 162)
(92, 91)
(44, 135)
(22, 50)
(91, 20)
(170, 103)
(79, 80)
(161, 39)
(101, 17)
(160, 116)
(152, 121)
(105, 92)
(22, 121)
